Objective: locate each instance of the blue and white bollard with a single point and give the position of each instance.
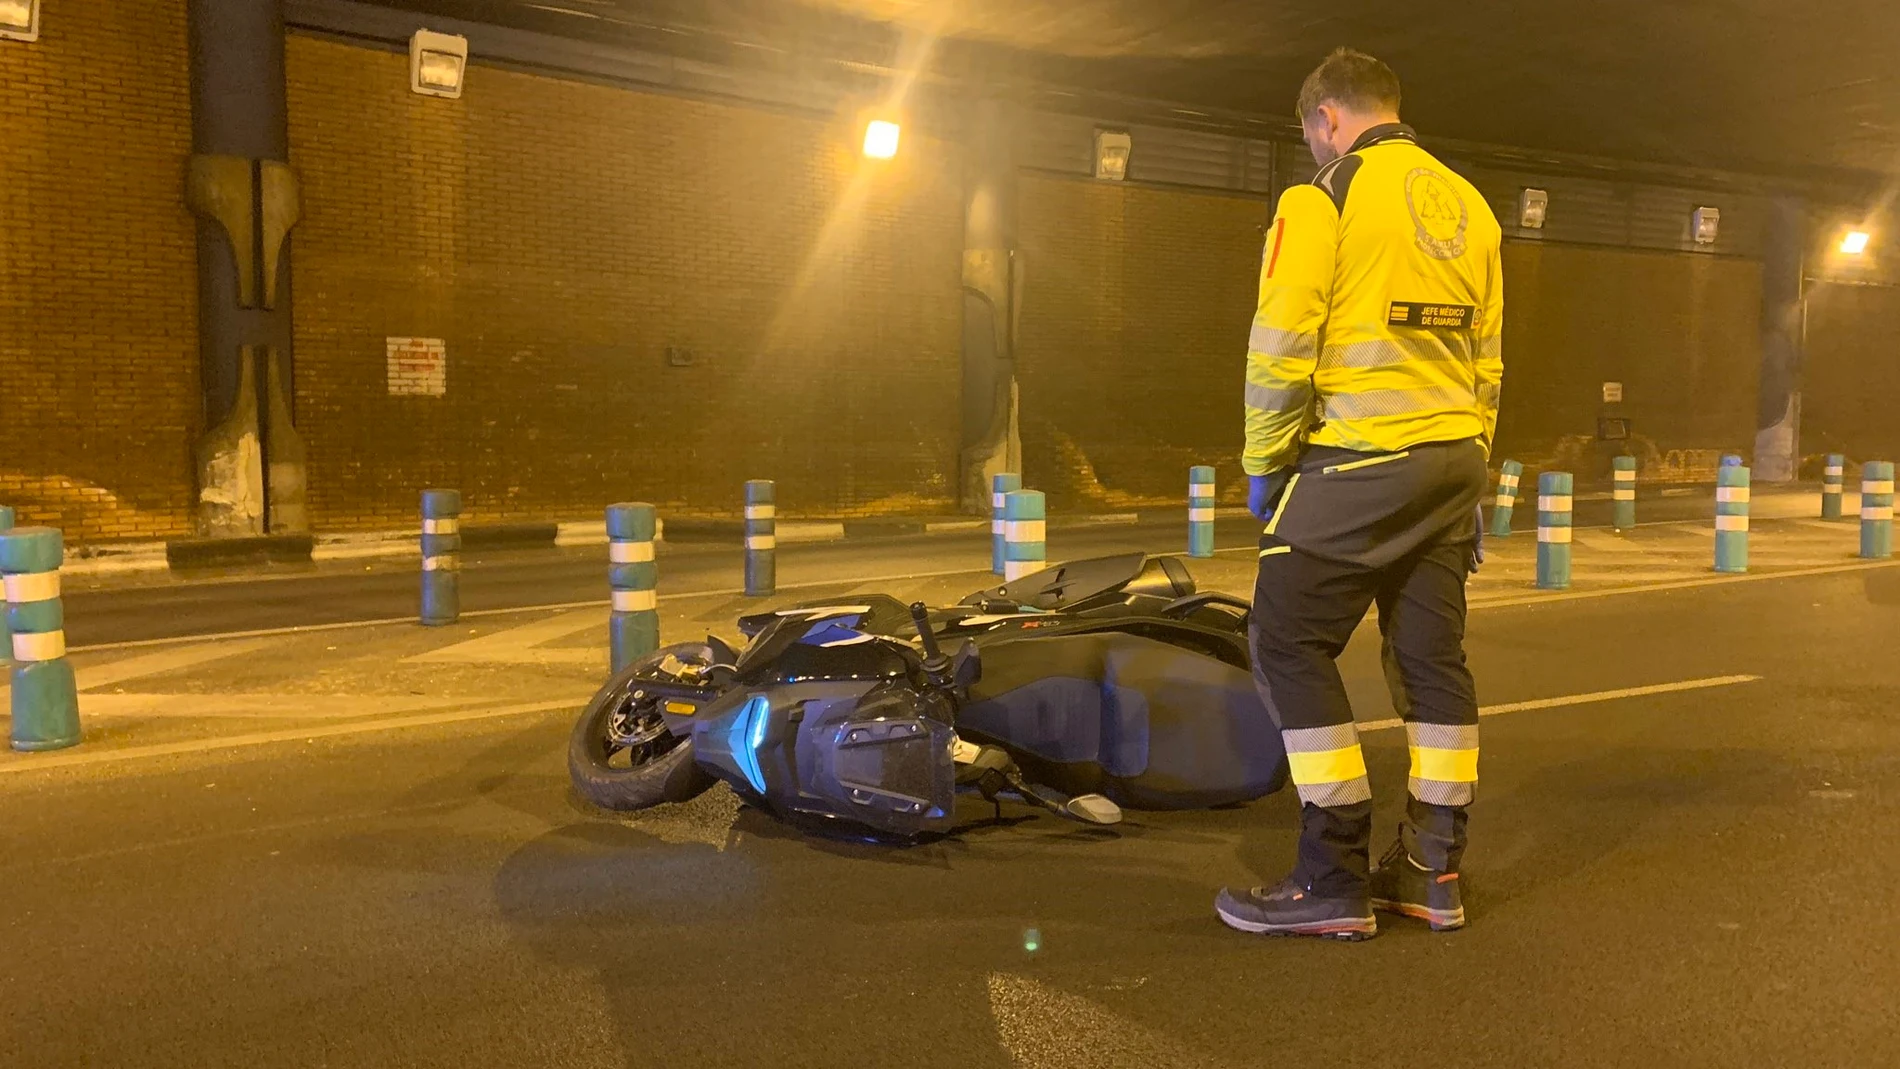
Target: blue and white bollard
(1000, 487)
(441, 557)
(761, 538)
(6, 641)
(1509, 474)
(1876, 510)
(1554, 490)
(1201, 511)
(1731, 519)
(1623, 493)
(1024, 531)
(45, 703)
(633, 628)
(1833, 482)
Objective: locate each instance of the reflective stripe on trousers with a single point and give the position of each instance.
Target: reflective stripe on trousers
(1444, 762)
(1328, 767)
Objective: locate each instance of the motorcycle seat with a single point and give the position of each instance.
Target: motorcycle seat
(1149, 724)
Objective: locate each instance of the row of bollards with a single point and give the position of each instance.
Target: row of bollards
(1555, 504)
(44, 701)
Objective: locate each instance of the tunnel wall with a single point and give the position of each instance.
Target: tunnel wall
(1136, 307)
(1137, 302)
(1851, 392)
(98, 283)
(1680, 331)
(570, 243)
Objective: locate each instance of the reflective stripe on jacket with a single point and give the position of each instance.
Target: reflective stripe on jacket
(1381, 310)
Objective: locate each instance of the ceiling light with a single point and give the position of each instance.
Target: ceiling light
(1533, 207)
(1112, 149)
(1855, 242)
(20, 20)
(880, 139)
(437, 62)
(1706, 222)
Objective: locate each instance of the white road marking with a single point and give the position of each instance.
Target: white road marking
(1044, 1028)
(278, 706)
(479, 614)
(77, 758)
(523, 644)
(1587, 699)
(1601, 541)
(1680, 584)
(151, 664)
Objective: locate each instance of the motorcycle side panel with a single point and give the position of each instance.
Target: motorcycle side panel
(1148, 724)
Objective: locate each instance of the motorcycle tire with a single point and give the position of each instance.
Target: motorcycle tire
(673, 776)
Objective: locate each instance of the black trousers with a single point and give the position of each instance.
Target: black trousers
(1397, 532)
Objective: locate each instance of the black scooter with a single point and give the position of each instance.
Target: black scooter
(1079, 689)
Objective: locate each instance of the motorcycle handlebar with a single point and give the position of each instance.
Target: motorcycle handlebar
(934, 661)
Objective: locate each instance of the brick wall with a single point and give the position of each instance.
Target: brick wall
(1136, 306)
(98, 284)
(561, 237)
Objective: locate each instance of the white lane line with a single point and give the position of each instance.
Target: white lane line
(559, 606)
(522, 645)
(603, 603)
(1591, 698)
(151, 664)
(1509, 601)
(44, 762)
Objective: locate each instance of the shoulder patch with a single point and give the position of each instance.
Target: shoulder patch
(1336, 178)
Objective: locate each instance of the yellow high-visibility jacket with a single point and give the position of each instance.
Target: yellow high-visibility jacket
(1381, 309)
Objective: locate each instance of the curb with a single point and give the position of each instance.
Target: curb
(198, 554)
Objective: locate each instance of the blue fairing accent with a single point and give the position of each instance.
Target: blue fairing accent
(747, 735)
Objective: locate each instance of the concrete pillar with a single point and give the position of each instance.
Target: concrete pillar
(1783, 339)
(239, 183)
(992, 285)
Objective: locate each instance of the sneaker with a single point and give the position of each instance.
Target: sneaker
(1292, 909)
(1403, 886)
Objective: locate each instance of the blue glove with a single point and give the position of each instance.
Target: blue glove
(1263, 493)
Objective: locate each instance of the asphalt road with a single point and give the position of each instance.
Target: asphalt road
(1701, 878)
(115, 611)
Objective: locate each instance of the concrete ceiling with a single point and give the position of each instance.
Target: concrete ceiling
(1784, 88)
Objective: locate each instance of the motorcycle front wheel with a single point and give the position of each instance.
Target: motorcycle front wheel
(621, 757)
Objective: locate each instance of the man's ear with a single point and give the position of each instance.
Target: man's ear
(1330, 113)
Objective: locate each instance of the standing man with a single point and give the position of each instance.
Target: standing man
(1373, 377)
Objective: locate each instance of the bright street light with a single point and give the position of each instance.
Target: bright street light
(880, 139)
(1854, 243)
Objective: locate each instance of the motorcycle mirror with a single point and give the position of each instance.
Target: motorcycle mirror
(1093, 809)
(966, 667)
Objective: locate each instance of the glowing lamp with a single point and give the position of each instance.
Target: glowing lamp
(880, 139)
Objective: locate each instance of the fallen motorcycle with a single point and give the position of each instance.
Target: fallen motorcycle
(1079, 689)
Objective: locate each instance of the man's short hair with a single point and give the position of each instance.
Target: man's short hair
(1352, 80)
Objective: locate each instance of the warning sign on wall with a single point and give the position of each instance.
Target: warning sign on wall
(417, 366)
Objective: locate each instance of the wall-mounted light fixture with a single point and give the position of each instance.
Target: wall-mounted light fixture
(1533, 207)
(20, 20)
(1854, 242)
(880, 138)
(437, 63)
(1704, 224)
(1112, 149)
